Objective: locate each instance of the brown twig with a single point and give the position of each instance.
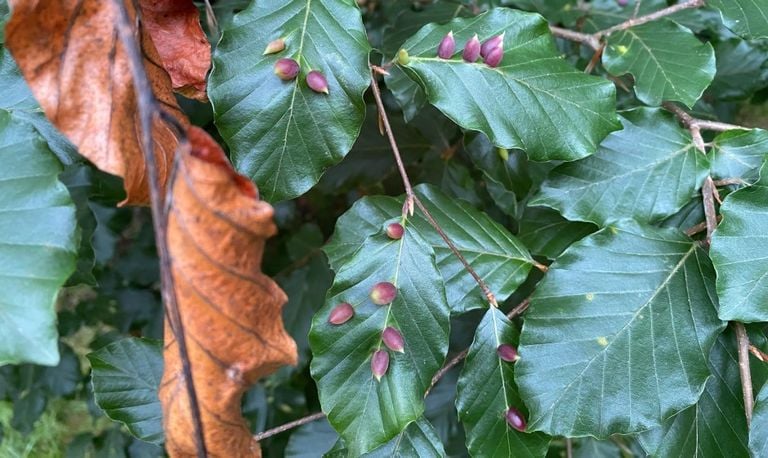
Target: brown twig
(289, 425)
(701, 227)
(759, 354)
(568, 447)
(708, 193)
(148, 109)
(595, 59)
(729, 182)
(742, 342)
(635, 21)
(579, 37)
(410, 197)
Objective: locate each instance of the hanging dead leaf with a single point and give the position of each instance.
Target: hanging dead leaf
(70, 55)
(231, 312)
(176, 32)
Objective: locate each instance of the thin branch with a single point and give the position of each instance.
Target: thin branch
(708, 192)
(579, 37)
(410, 197)
(568, 447)
(746, 377)
(730, 182)
(635, 21)
(148, 109)
(701, 227)
(759, 354)
(595, 59)
(700, 124)
(290, 425)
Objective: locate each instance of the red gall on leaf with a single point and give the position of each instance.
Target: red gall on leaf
(341, 313)
(274, 46)
(286, 69)
(379, 364)
(393, 339)
(494, 56)
(515, 419)
(447, 46)
(491, 43)
(317, 82)
(395, 231)
(508, 353)
(471, 49)
(383, 293)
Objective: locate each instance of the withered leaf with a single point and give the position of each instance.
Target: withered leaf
(70, 55)
(231, 312)
(176, 32)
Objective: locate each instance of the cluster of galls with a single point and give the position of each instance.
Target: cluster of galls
(382, 293)
(288, 69)
(492, 50)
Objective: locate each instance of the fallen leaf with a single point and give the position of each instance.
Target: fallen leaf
(231, 312)
(185, 51)
(70, 55)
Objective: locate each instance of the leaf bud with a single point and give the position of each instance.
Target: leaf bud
(393, 339)
(274, 46)
(379, 364)
(447, 46)
(341, 313)
(494, 56)
(286, 69)
(508, 353)
(515, 419)
(395, 231)
(491, 43)
(383, 293)
(317, 82)
(471, 49)
(402, 57)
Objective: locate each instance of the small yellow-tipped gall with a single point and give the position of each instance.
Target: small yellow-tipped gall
(341, 313)
(383, 293)
(446, 47)
(395, 231)
(317, 82)
(379, 364)
(491, 43)
(494, 56)
(503, 154)
(393, 339)
(515, 419)
(286, 69)
(274, 46)
(403, 58)
(471, 49)
(508, 353)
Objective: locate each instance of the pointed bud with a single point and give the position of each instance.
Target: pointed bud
(447, 46)
(494, 56)
(503, 154)
(508, 353)
(274, 46)
(491, 43)
(402, 57)
(395, 231)
(471, 49)
(317, 82)
(383, 293)
(515, 419)
(286, 69)
(393, 339)
(379, 364)
(341, 313)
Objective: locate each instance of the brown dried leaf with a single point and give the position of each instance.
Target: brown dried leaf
(231, 312)
(186, 54)
(70, 55)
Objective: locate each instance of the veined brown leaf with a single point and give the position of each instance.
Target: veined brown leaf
(231, 312)
(174, 26)
(71, 56)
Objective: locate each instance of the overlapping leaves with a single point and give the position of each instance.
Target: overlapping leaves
(748, 18)
(533, 100)
(618, 333)
(647, 171)
(281, 133)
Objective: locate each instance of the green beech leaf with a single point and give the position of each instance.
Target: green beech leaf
(741, 69)
(281, 133)
(486, 389)
(533, 100)
(367, 413)
(38, 244)
(748, 18)
(758, 435)
(419, 439)
(497, 256)
(548, 234)
(662, 72)
(646, 172)
(715, 426)
(618, 333)
(126, 376)
(738, 253)
(739, 154)
(311, 440)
